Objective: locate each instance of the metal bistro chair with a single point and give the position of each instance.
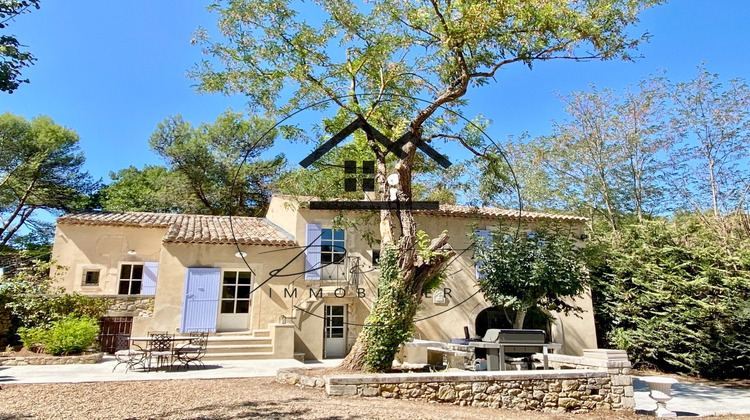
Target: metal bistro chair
(193, 351)
(131, 357)
(160, 346)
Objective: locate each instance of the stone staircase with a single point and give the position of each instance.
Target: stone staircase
(243, 345)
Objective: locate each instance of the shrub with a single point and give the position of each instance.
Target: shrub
(675, 295)
(71, 335)
(33, 338)
(32, 301)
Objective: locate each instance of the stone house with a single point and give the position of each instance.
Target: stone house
(257, 284)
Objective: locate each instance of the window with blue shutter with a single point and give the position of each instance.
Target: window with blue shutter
(150, 270)
(312, 252)
(485, 236)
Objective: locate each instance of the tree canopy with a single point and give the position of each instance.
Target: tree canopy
(539, 269)
(211, 169)
(40, 169)
(12, 57)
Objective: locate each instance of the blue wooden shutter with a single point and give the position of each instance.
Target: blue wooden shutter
(150, 270)
(312, 253)
(485, 237)
(200, 305)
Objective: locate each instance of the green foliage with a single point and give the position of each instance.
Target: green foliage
(33, 302)
(69, 335)
(153, 188)
(211, 169)
(386, 328)
(424, 252)
(538, 269)
(208, 159)
(709, 165)
(33, 338)
(675, 295)
(12, 58)
(41, 168)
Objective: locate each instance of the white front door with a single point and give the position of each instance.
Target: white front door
(234, 305)
(335, 331)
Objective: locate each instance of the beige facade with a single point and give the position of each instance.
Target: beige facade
(271, 253)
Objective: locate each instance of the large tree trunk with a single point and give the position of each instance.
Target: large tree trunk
(403, 276)
(390, 321)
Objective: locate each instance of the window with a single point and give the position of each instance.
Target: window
(131, 276)
(332, 250)
(375, 257)
(235, 292)
(90, 277)
(334, 321)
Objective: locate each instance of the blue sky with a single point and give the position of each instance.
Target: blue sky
(112, 70)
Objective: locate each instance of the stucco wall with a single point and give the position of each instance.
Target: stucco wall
(104, 248)
(176, 258)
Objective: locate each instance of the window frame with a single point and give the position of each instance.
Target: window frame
(84, 277)
(337, 246)
(130, 280)
(235, 299)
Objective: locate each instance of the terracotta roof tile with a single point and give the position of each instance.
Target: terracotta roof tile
(493, 212)
(471, 211)
(139, 219)
(191, 228)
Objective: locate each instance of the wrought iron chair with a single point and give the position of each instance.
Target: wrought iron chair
(131, 357)
(193, 351)
(160, 346)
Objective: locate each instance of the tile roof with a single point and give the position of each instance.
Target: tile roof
(191, 228)
(493, 212)
(471, 211)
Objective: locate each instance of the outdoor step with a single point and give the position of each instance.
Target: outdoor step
(239, 356)
(248, 348)
(233, 333)
(238, 340)
(261, 333)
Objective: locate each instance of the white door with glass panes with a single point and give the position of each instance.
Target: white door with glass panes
(234, 301)
(335, 331)
(332, 253)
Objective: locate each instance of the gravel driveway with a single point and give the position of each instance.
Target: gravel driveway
(228, 399)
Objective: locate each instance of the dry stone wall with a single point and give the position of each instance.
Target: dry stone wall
(137, 306)
(601, 381)
(52, 360)
(548, 391)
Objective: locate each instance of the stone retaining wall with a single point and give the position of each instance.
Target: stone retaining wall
(137, 306)
(548, 391)
(600, 381)
(52, 360)
(297, 377)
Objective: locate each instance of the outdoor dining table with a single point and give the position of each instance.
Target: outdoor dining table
(152, 339)
(496, 351)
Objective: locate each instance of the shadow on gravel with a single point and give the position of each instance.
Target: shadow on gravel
(255, 409)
